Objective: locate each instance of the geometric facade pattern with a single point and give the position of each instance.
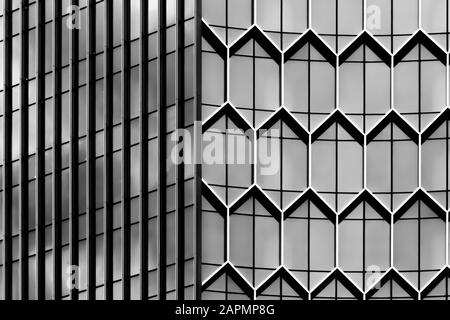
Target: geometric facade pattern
(332, 180)
(358, 93)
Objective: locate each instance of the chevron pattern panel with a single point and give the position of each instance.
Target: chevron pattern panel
(353, 96)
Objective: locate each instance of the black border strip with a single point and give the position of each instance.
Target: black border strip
(368, 198)
(214, 201)
(342, 278)
(284, 116)
(230, 112)
(420, 38)
(40, 152)
(143, 213)
(229, 271)
(256, 193)
(392, 275)
(7, 153)
(444, 274)
(57, 157)
(393, 117)
(108, 145)
(420, 195)
(254, 33)
(283, 274)
(310, 195)
(339, 118)
(366, 39)
(74, 151)
(213, 40)
(91, 150)
(311, 38)
(428, 132)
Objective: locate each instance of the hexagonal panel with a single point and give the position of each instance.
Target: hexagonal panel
(337, 160)
(282, 166)
(309, 239)
(392, 160)
(255, 242)
(419, 239)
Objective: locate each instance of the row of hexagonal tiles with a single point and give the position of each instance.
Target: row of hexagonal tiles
(311, 37)
(364, 197)
(407, 291)
(363, 39)
(339, 118)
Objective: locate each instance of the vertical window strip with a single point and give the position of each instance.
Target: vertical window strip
(162, 150)
(7, 153)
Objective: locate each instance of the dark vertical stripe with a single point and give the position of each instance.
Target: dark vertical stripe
(74, 151)
(447, 166)
(57, 184)
(308, 248)
(91, 131)
(391, 166)
(24, 153)
(126, 256)
(197, 134)
(162, 140)
(7, 152)
(144, 151)
(253, 242)
(364, 247)
(419, 89)
(280, 97)
(308, 22)
(419, 248)
(180, 167)
(108, 166)
(337, 25)
(392, 26)
(40, 152)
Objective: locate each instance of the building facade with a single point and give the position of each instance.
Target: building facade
(224, 149)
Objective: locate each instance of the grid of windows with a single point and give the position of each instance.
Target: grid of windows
(85, 121)
(350, 97)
